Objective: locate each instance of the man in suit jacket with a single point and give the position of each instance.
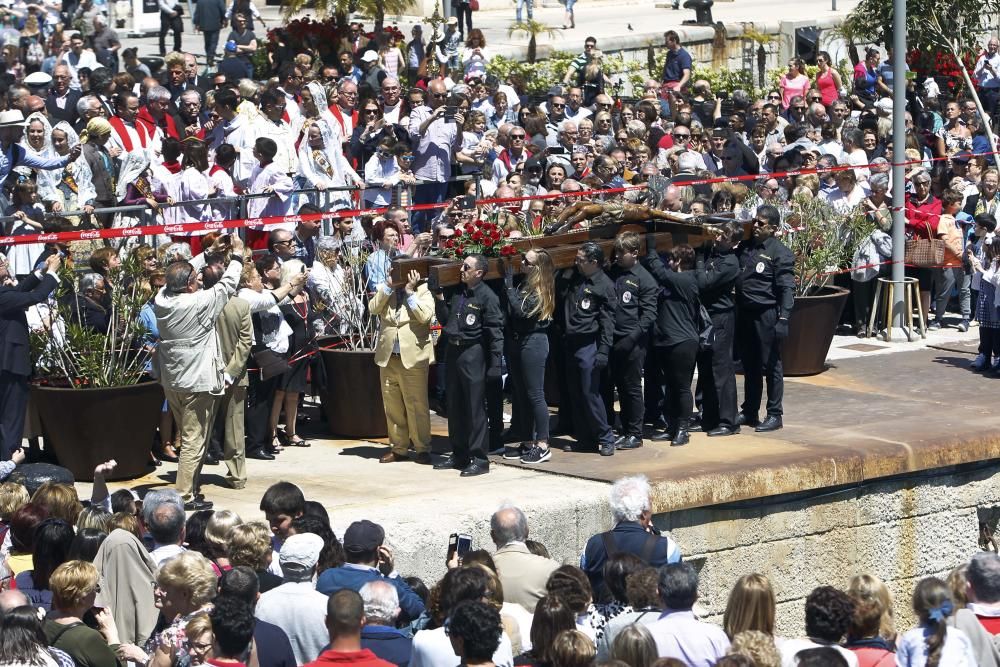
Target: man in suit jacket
(235, 329)
(209, 17)
(404, 352)
(15, 363)
(522, 573)
(60, 103)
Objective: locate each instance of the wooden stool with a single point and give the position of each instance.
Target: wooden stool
(884, 295)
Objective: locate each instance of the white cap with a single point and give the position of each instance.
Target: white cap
(369, 57)
(302, 549)
(37, 79)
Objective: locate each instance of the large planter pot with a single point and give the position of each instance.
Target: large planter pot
(810, 331)
(86, 427)
(352, 399)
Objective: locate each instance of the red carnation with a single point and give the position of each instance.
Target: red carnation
(495, 233)
(507, 251)
(477, 235)
(450, 243)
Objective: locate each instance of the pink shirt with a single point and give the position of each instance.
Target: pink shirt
(792, 87)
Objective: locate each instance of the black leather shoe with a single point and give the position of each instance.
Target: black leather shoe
(719, 431)
(211, 461)
(743, 420)
(631, 442)
(772, 423)
(657, 424)
(682, 438)
(261, 456)
(197, 505)
(475, 469)
(450, 463)
(620, 441)
(606, 449)
(423, 458)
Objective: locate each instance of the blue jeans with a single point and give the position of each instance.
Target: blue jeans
(427, 193)
(520, 6)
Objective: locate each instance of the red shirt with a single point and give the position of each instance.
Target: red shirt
(991, 623)
(920, 216)
(362, 658)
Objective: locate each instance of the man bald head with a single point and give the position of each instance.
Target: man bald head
(12, 600)
(437, 92)
(508, 524)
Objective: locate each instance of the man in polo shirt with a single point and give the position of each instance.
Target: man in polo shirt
(578, 63)
(677, 67)
(983, 576)
(366, 553)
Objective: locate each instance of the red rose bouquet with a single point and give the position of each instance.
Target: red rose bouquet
(480, 237)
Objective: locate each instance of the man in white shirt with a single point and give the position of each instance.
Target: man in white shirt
(987, 73)
(163, 520)
(237, 131)
(829, 613)
(75, 58)
(273, 126)
(392, 102)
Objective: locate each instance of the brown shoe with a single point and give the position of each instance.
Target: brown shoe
(392, 457)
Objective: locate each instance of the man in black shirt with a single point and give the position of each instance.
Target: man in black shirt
(474, 329)
(589, 304)
(765, 294)
(635, 313)
(716, 270)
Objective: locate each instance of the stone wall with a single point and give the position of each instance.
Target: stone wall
(900, 530)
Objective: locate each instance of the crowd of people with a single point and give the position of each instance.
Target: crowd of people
(127, 580)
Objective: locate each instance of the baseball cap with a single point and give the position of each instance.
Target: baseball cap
(452, 20)
(301, 551)
(231, 46)
(369, 57)
(555, 91)
(363, 536)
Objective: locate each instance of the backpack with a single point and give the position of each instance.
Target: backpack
(34, 54)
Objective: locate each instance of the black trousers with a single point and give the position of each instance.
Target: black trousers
(168, 23)
(463, 9)
(989, 343)
(760, 351)
(653, 389)
(678, 362)
(625, 374)
(13, 406)
(530, 414)
(564, 413)
(466, 392)
(260, 396)
(717, 375)
(584, 379)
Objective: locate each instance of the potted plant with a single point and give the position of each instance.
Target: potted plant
(91, 389)
(347, 351)
(823, 240)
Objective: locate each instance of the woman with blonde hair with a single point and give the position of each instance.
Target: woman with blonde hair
(59, 500)
(250, 546)
(530, 308)
(751, 606)
(218, 531)
(199, 638)
(758, 646)
(74, 586)
(866, 587)
(634, 646)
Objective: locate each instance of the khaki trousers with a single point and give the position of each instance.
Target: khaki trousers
(234, 445)
(407, 413)
(194, 414)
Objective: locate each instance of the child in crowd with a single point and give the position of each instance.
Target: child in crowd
(282, 503)
(933, 643)
(981, 254)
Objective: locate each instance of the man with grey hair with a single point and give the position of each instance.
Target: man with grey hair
(522, 573)
(189, 363)
(163, 522)
(379, 633)
(88, 107)
(983, 577)
(634, 532)
(85, 308)
(154, 116)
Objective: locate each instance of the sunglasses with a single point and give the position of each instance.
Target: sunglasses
(517, 136)
(439, 96)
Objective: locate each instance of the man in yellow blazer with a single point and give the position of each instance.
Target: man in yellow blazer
(404, 352)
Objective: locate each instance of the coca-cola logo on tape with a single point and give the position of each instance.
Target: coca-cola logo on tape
(48, 237)
(173, 229)
(215, 225)
(132, 231)
(90, 234)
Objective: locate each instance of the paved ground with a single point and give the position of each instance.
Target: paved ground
(615, 24)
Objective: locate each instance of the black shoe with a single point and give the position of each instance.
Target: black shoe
(163, 456)
(723, 431)
(682, 438)
(197, 505)
(606, 449)
(743, 420)
(475, 469)
(619, 441)
(631, 442)
(657, 424)
(211, 460)
(450, 463)
(567, 447)
(694, 422)
(261, 456)
(423, 458)
(772, 423)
